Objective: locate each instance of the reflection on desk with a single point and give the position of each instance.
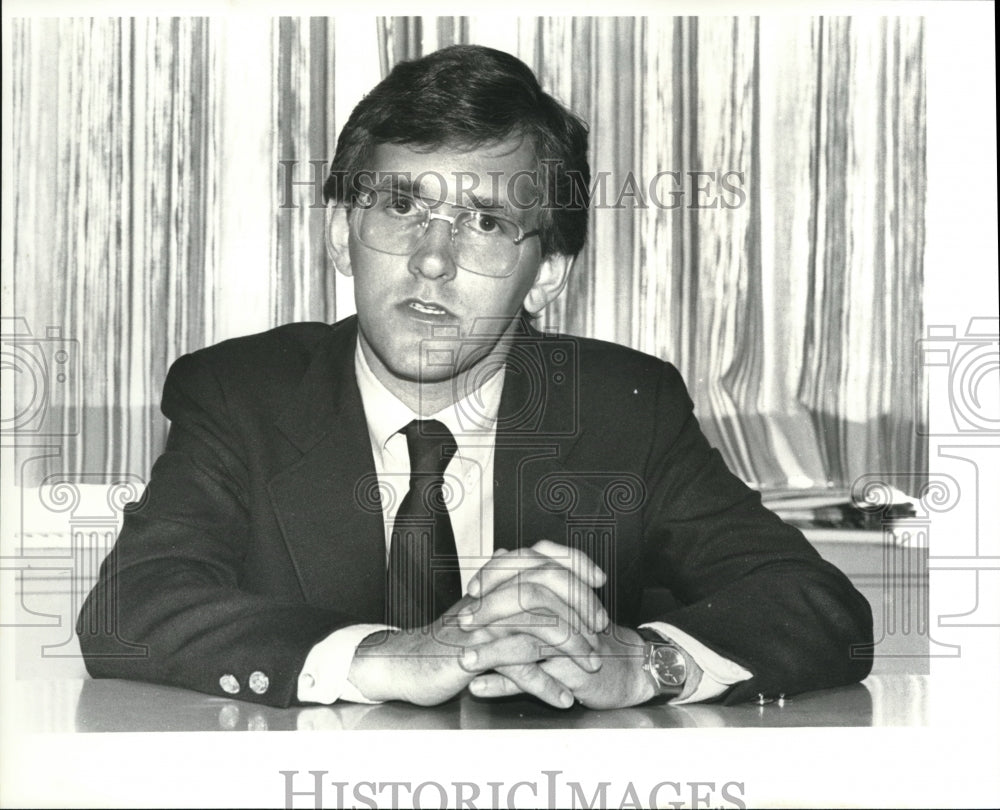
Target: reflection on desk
(112, 705)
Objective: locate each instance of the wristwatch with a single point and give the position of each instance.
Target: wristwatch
(664, 664)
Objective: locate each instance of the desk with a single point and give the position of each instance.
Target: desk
(54, 693)
(85, 705)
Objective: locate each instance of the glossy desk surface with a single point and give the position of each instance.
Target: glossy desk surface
(54, 693)
(85, 705)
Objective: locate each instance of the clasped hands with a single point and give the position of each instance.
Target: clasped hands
(529, 623)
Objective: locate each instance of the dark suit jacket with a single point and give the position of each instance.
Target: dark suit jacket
(258, 534)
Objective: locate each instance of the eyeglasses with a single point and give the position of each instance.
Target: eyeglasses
(484, 243)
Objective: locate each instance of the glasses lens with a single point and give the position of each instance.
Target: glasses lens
(485, 243)
(390, 222)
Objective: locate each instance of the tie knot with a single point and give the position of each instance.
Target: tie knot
(431, 446)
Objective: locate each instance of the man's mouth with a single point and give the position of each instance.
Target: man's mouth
(427, 308)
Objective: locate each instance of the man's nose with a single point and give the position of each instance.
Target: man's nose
(433, 258)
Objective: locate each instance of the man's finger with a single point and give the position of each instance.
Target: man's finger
(527, 649)
(543, 593)
(544, 553)
(494, 685)
(523, 678)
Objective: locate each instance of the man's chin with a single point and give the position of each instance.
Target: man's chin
(438, 366)
(442, 359)
(436, 361)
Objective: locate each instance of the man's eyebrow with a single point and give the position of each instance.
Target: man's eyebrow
(488, 204)
(394, 181)
(403, 183)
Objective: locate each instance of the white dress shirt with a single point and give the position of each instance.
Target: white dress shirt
(469, 497)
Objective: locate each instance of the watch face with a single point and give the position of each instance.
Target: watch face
(667, 665)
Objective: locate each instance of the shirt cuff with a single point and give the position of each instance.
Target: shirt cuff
(324, 674)
(717, 673)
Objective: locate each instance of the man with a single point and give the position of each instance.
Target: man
(433, 496)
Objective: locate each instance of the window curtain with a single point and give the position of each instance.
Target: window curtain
(164, 197)
(162, 202)
(792, 306)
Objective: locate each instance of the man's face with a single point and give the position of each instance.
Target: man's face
(424, 306)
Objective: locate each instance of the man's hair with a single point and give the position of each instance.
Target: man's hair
(468, 96)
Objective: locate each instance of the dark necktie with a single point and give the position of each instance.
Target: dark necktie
(423, 579)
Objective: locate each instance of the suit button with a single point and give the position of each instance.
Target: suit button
(259, 682)
(229, 684)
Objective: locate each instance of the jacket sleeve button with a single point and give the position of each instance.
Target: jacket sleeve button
(229, 684)
(259, 682)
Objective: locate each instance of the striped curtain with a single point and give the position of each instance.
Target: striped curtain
(792, 304)
(165, 177)
(153, 163)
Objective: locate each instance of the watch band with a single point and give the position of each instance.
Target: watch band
(665, 663)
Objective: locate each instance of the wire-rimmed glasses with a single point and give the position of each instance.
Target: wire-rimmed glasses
(482, 242)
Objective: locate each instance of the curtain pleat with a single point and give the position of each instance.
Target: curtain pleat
(109, 172)
(302, 287)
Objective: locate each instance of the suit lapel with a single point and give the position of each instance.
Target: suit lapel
(326, 501)
(537, 427)
(550, 484)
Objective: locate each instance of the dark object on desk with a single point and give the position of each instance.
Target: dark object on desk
(834, 509)
(846, 516)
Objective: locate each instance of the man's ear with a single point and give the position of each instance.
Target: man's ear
(338, 235)
(553, 273)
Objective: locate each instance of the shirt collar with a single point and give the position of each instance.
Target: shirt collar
(471, 420)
